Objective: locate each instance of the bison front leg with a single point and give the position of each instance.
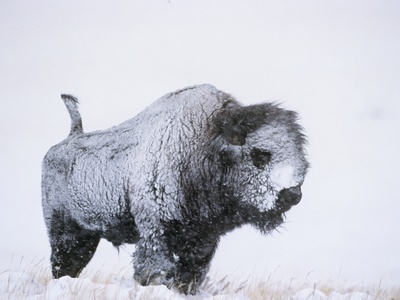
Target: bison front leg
(153, 263)
(193, 265)
(193, 248)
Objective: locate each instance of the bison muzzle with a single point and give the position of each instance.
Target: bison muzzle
(191, 167)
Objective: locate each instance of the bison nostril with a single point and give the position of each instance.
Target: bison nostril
(291, 195)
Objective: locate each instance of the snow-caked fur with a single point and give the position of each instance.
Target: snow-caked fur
(192, 166)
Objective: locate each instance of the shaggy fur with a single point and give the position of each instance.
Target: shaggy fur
(175, 178)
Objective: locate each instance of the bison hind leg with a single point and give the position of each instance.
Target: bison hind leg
(72, 246)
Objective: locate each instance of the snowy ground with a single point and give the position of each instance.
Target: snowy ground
(21, 285)
(32, 280)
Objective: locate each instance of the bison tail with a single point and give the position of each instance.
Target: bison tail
(71, 103)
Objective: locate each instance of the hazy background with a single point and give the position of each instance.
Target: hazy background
(335, 62)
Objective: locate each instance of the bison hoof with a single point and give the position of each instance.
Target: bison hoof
(156, 278)
(187, 288)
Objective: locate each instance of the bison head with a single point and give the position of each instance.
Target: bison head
(263, 158)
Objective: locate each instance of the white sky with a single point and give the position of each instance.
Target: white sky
(335, 62)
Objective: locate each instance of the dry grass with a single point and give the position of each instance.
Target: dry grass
(26, 279)
(253, 288)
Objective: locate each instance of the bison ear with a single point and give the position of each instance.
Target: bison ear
(234, 122)
(236, 138)
(228, 124)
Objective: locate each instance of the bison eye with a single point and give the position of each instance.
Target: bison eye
(260, 157)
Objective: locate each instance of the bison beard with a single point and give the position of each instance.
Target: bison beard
(193, 166)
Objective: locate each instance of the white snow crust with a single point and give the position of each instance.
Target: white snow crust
(283, 176)
(314, 294)
(21, 285)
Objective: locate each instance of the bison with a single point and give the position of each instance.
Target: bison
(191, 167)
